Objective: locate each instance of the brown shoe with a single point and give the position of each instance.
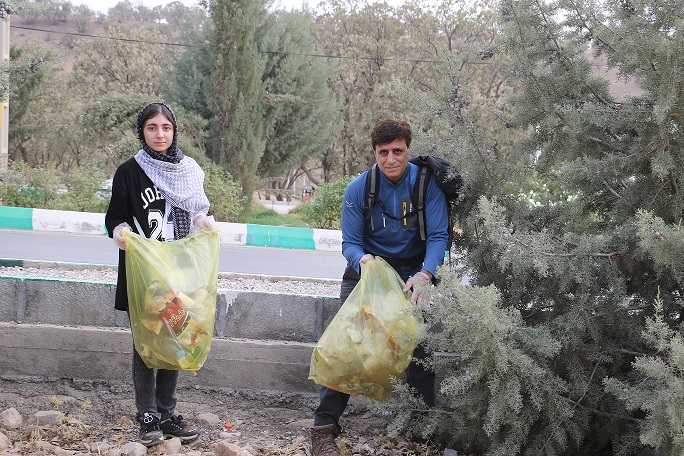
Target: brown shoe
(323, 441)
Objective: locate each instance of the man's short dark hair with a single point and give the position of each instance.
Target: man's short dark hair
(387, 130)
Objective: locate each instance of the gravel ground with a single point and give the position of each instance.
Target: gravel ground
(226, 281)
(97, 420)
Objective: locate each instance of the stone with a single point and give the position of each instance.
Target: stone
(5, 443)
(208, 419)
(40, 446)
(99, 447)
(46, 418)
(224, 448)
(10, 419)
(133, 449)
(169, 446)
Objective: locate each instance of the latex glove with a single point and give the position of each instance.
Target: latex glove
(202, 222)
(365, 259)
(417, 284)
(119, 235)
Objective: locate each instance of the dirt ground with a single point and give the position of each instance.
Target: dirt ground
(262, 423)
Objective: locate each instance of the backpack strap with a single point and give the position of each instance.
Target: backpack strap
(372, 189)
(419, 191)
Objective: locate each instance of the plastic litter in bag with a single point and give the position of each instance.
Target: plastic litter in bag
(371, 338)
(172, 298)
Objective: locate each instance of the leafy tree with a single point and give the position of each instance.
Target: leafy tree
(182, 18)
(34, 91)
(236, 132)
(122, 12)
(555, 347)
(82, 185)
(376, 46)
(368, 37)
(55, 11)
(106, 125)
(300, 111)
(127, 61)
(82, 16)
(29, 11)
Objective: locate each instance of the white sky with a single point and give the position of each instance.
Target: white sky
(104, 5)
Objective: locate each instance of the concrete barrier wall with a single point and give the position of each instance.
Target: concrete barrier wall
(58, 328)
(50, 351)
(231, 233)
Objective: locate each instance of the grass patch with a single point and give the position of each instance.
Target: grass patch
(259, 215)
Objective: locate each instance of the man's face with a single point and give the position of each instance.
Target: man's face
(392, 159)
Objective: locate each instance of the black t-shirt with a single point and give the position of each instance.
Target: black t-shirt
(136, 201)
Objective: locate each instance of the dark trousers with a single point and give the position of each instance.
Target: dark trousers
(332, 403)
(155, 389)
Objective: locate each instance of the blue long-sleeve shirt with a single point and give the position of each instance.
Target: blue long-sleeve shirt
(390, 239)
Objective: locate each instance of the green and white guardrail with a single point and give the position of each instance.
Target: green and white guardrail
(20, 218)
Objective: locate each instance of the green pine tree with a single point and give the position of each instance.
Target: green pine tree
(555, 346)
(300, 109)
(236, 138)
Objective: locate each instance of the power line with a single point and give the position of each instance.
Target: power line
(107, 37)
(341, 57)
(326, 56)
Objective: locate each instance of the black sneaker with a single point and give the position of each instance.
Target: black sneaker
(150, 434)
(177, 427)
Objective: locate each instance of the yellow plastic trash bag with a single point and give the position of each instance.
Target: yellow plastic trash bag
(172, 298)
(371, 339)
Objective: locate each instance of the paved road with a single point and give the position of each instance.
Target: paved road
(94, 249)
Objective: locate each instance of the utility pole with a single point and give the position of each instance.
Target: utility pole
(5, 11)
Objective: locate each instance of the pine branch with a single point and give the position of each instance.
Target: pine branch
(630, 352)
(604, 143)
(568, 254)
(577, 404)
(673, 182)
(601, 412)
(591, 377)
(610, 189)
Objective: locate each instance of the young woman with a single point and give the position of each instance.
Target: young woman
(158, 193)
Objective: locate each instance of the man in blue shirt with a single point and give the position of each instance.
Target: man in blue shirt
(391, 232)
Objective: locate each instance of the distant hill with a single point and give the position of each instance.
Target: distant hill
(63, 34)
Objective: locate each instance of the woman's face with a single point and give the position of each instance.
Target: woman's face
(158, 133)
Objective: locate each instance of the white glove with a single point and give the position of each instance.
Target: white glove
(417, 284)
(365, 259)
(202, 222)
(119, 235)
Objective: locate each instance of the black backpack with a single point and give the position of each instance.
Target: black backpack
(446, 178)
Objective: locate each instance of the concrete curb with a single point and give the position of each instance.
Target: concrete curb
(50, 351)
(21, 218)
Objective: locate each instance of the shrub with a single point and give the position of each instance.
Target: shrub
(23, 186)
(83, 191)
(223, 193)
(325, 211)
